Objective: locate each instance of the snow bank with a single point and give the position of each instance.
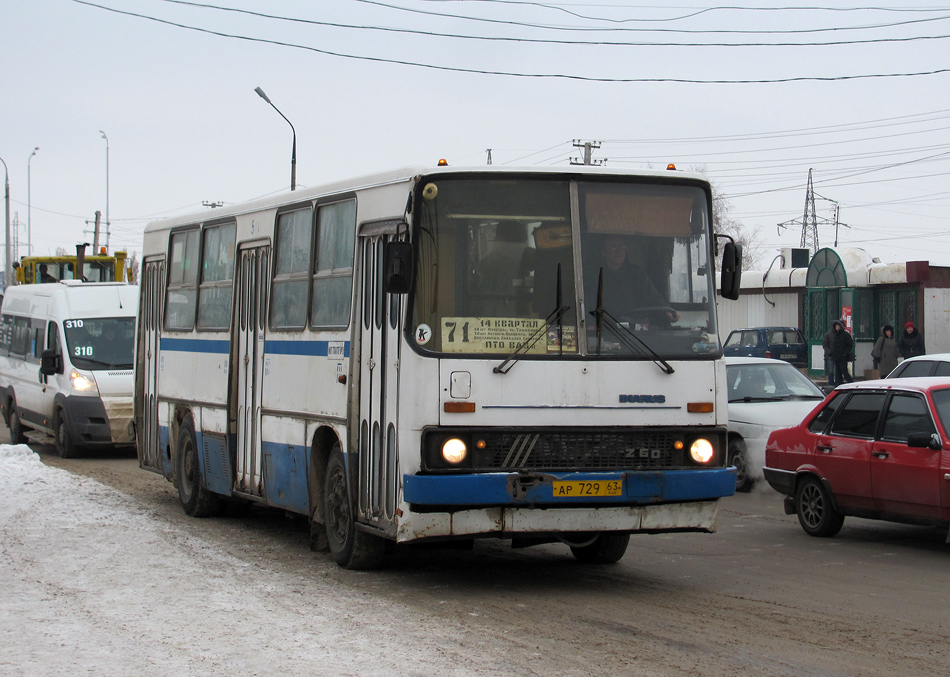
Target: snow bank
(95, 582)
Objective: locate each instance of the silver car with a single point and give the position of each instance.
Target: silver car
(764, 395)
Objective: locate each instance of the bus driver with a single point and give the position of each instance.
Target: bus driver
(627, 286)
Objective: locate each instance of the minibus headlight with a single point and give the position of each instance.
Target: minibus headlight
(81, 383)
(701, 450)
(454, 450)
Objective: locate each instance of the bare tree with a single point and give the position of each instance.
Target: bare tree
(134, 267)
(753, 249)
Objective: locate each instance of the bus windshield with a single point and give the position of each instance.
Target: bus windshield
(100, 343)
(600, 267)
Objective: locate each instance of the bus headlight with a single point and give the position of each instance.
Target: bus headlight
(454, 450)
(701, 450)
(81, 382)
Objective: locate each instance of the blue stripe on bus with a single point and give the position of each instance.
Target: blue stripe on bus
(639, 487)
(184, 345)
(306, 348)
(271, 347)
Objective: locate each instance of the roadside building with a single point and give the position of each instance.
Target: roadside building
(847, 284)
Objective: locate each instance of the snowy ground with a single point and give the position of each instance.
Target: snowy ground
(92, 583)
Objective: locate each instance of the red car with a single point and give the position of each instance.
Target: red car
(874, 449)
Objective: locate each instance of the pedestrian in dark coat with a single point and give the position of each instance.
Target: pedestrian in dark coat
(885, 351)
(826, 345)
(912, 342)
(842, 346)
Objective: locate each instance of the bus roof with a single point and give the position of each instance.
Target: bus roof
(404, 174)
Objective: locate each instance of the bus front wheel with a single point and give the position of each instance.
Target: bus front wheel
(606, 548)
(195, 499)
(351, 548)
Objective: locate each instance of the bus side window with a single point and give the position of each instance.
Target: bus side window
(288, 308)
(6, 333)
(182, 292)
(20, 342)
(333, 268)
(217, 270)
(39, 338)
(52, 337)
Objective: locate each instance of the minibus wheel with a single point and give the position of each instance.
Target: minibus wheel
(65, 446)
(17, 435)
(351, 548)
(195, 499)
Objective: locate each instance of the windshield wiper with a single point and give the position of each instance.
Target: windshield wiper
(630, 341)
(555, 316)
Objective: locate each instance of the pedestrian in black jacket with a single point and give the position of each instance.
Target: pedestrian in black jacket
(912, 342)
(842, 352)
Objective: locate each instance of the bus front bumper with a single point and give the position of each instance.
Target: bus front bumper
(537, 488)
(509, 522)
(498, 504)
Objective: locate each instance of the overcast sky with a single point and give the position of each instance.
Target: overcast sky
(403, 82)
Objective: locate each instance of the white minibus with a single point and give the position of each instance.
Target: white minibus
(66, 360)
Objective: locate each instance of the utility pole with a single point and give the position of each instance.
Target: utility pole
(95, 235)
(588, 147)
(8, 267)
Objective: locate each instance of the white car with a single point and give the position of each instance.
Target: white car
(764, 395)
(923, 365)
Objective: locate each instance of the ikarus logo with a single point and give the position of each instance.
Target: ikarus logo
(642, 399)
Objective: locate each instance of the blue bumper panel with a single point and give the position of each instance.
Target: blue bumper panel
(535, 488)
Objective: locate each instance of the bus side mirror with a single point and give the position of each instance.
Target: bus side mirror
(397, 267)
(51, 363)
(731, 270)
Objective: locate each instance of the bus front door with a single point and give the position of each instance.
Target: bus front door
(379, 360)
(152, 302)
(247, 358)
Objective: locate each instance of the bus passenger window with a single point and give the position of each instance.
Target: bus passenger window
(289, 299)
(333, 271)
(217, 270)
(182, 279)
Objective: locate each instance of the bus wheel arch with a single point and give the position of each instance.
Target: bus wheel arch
(325, 440)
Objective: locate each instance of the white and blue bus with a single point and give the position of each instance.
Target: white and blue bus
(444, 354)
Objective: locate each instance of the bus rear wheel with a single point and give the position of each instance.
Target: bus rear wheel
(607, 547)
(350, 547)
(195, 499)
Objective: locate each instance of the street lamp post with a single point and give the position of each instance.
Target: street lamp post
(8, 270)
(293, 155)
(107, 187)
(29, 207)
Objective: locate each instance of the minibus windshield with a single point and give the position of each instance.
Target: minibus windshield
(101, 342)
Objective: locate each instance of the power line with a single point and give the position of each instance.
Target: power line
(599, 43)
(557, 76)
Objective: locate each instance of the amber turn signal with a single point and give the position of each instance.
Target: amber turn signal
(699, 407)
(458, 407)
